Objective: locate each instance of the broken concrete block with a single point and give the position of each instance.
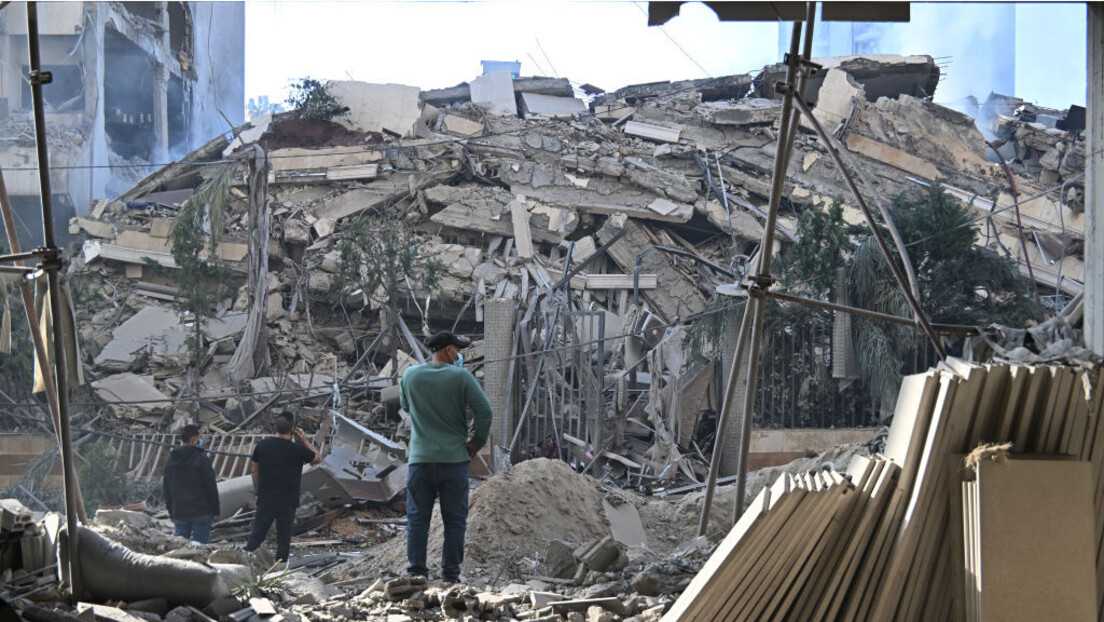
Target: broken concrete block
(323, 226)
(399, 589)
(744, 224)
(550, 106)
(924, 130)
(296, 232)
(1052, 159)
(296, 159)
(652, 132)
(680, 294)
(307, 590)
(613, 111)
(376, 107)
(136, 391)
(459, 125)
(14, 516)
(624, 522)
(95, 228)
(559, 560)
(604, 555)
(584, 249)
(751, 111)
(838, 97)
(888, 76)
(654, 614)
(494, 91)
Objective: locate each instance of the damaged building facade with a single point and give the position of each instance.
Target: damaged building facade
(135, 85)
(582, 243)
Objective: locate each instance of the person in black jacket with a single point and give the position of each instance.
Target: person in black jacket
(190, 491)
(277, 472)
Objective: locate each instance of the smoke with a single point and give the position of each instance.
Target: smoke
(975, 44)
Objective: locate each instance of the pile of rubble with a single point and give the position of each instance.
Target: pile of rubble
(545, 543)
(561, 234)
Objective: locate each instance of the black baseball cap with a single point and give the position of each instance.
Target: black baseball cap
(445, 339)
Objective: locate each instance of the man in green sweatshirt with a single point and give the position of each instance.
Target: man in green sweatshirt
(438, 395)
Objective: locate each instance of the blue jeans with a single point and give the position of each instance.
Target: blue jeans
(425, 483)
(198, 528)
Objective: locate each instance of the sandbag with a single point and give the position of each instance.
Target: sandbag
(111, 571)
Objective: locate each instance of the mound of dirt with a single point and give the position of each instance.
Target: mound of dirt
(523, 509)
(512, 515)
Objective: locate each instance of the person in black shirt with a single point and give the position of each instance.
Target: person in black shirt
(277, 470)
(190, 491)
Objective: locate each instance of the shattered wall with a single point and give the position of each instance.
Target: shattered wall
(135, 84)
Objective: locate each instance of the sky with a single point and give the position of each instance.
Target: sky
(1038, 47)
(440, 44)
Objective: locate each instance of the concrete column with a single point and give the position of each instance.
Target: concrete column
(161, 93)
(498, 339)
(1094, 183)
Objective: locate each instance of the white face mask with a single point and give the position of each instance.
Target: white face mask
(459, 362)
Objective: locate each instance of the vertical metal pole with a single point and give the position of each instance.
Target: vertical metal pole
(52, 265)
(751, 311)
(762, 279)
(1094, 181)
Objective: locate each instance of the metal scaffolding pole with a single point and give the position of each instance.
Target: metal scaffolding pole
(761, 282)
(751, 324)
(51, 264)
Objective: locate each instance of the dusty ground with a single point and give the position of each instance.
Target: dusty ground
(515, 515)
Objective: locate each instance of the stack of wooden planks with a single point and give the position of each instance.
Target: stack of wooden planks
(1028, 517)
(887, 543)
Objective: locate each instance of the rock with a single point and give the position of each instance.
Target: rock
(646, 583)
(605, 590)
(653, 614)
(559, 560)
(234, 574)
(598, 614)
(605, 555)
(375, 588)
(307, 590)
(138, 520)
(398, 589)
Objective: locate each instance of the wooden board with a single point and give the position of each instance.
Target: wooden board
(1039, 566)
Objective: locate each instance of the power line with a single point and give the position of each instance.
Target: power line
(676, 44)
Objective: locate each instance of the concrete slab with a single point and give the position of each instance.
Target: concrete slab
(625, 525)
(459, 125)
(551, 106)
(837, 99)
(377, 107)
(495, 92)
(128, 387)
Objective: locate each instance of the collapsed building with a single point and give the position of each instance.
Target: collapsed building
(577, 241)
(563, 239)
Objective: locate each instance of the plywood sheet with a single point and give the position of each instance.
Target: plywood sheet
(1037, 541)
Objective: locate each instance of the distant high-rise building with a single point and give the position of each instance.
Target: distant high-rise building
(261, 105)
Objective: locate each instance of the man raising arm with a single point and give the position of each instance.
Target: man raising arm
(277, 471)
